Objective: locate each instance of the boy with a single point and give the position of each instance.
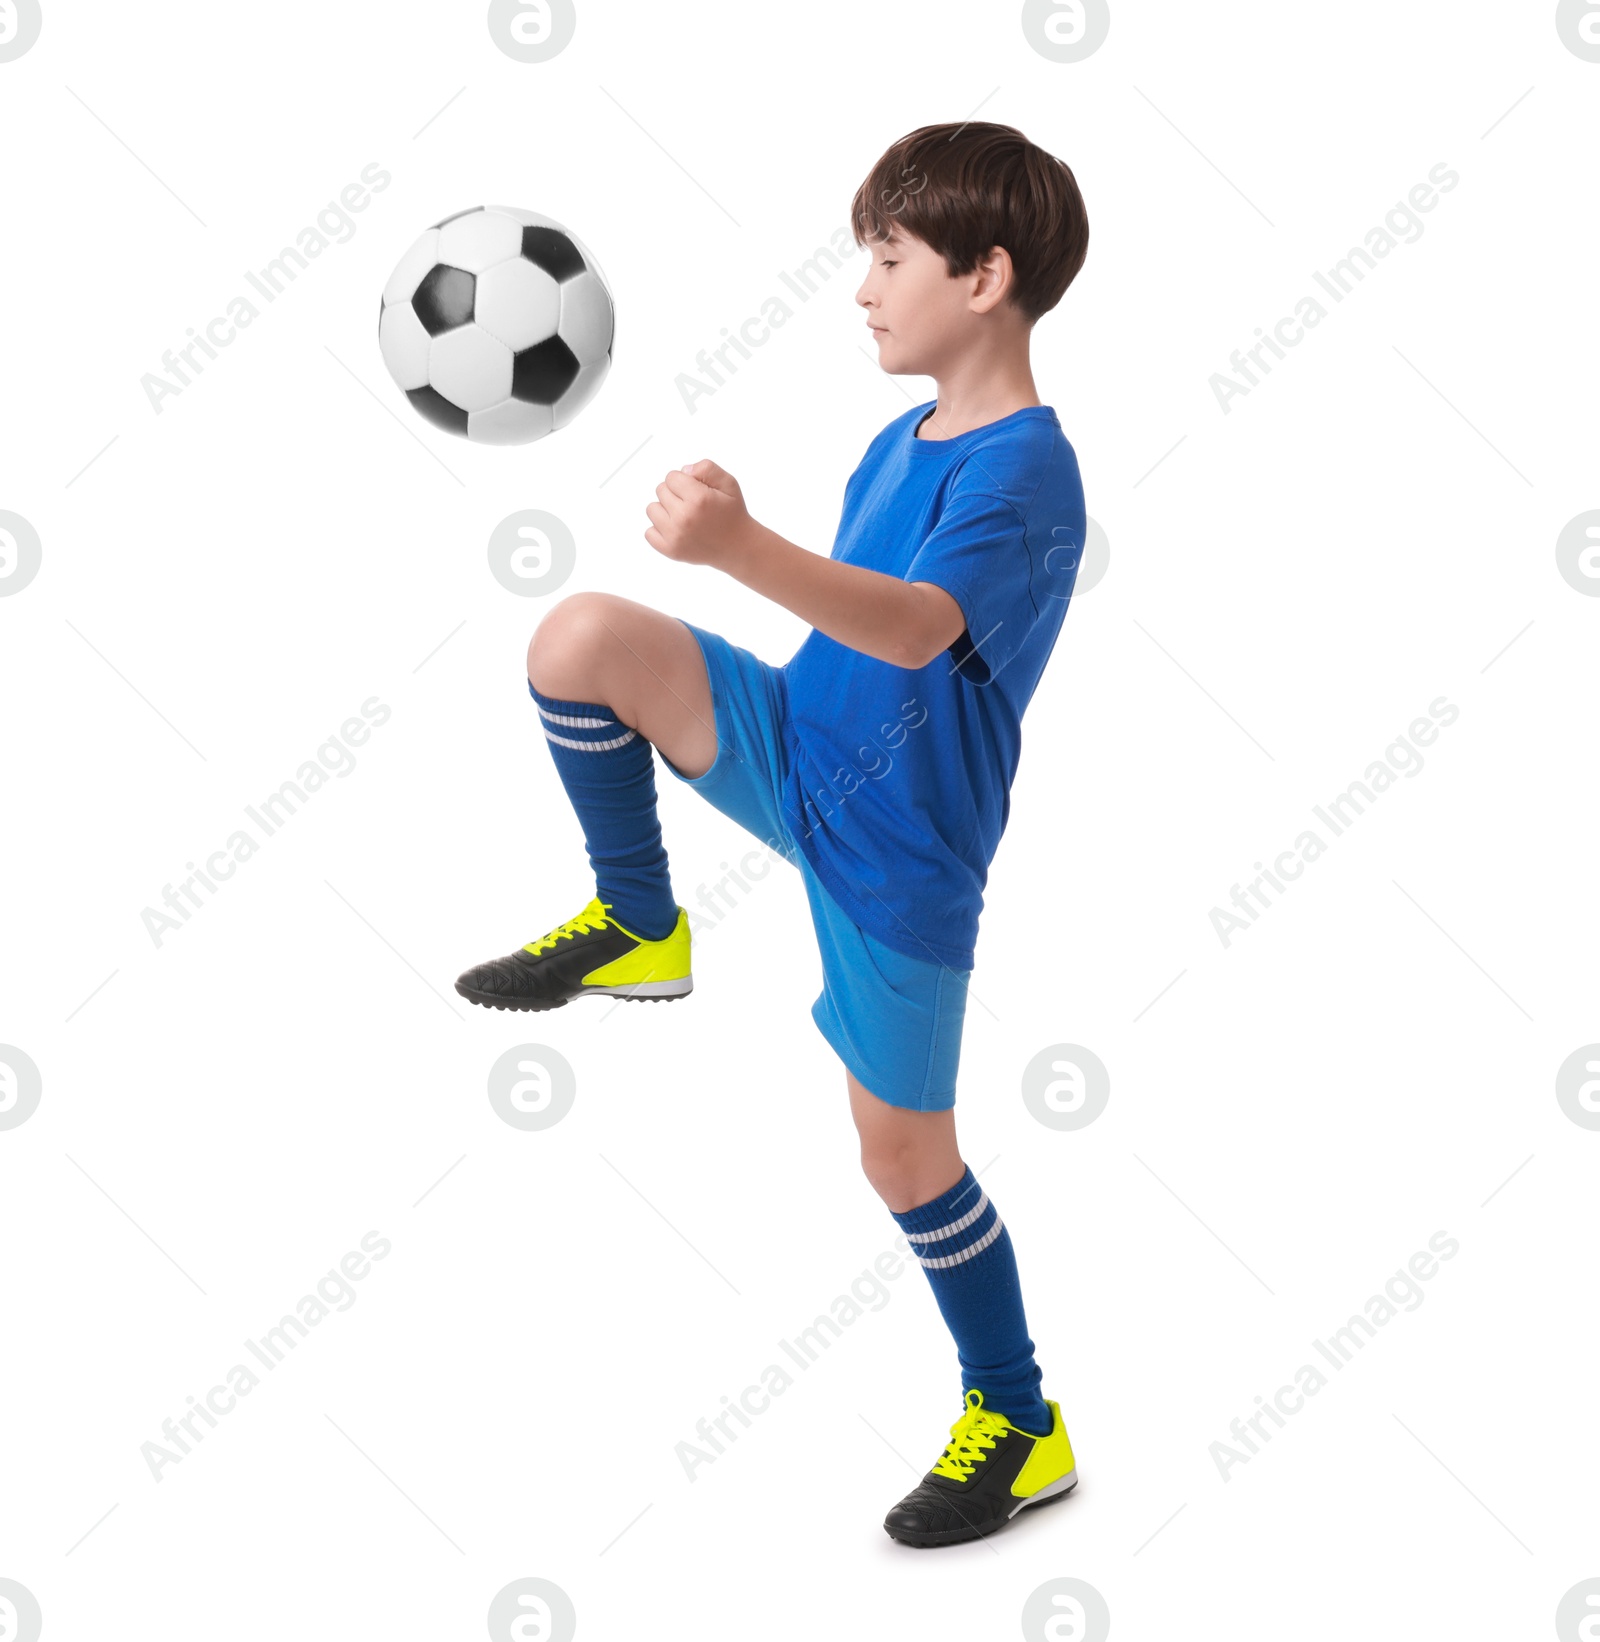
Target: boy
(878, 760)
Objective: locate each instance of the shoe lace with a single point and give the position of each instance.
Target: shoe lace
(593, 916)
(971, 1437)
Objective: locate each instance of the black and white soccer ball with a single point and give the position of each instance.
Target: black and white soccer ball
(497, 323)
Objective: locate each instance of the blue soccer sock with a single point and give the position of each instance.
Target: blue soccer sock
(609, 773)
(965, 1249)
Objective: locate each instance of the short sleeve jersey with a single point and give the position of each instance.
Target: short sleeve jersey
(900, 785)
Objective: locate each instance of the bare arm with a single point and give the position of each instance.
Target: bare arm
(701, 519)
(904, 623)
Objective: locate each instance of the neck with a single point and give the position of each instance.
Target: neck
(977, 393)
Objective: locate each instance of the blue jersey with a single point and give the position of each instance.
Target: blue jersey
(900, 785)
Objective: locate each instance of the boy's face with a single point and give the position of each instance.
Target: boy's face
(921, 318)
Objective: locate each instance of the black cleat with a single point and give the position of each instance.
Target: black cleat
(590, 953)
(989, 1471)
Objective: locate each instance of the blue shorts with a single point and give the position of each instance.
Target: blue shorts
(894, 1021)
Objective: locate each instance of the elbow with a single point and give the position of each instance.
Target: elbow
(911, 652)
(914, 646)
(937, 621)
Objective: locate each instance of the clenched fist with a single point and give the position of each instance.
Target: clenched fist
(698, 516)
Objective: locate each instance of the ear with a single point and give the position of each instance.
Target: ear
(995, 276)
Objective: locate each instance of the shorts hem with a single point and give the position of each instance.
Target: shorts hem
(869, 1081)
(719, 761)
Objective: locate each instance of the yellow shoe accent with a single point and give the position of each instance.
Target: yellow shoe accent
(651, 962)
(1051, 1459)
(978, 1428)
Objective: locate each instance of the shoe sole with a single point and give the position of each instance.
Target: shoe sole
(1048, 1495)
(641, 992)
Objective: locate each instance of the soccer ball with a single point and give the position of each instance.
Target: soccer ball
(497, 323)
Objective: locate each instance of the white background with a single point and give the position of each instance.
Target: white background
(1290, 585)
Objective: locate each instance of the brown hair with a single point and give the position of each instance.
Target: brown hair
(964, 189)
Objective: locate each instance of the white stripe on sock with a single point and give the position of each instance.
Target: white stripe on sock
(955, 1225)
(592, 746)
(930, 1264)
(581, 723)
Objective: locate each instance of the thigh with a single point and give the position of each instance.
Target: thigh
(754, 741)
(894, 1021)
(642, 664)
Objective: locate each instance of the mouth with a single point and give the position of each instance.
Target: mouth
(877, 330)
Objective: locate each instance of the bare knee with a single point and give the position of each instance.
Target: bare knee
(894, 1186)
(567, 653)
(903, 1176)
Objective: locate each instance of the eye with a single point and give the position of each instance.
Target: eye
(886, 263)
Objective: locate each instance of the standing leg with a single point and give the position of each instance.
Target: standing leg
(914, 1164)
